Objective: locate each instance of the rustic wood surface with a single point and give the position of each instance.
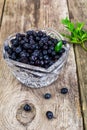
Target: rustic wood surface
(20, 16)
(78, 12)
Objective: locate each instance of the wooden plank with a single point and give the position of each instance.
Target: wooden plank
(20, 16)
(2, 3)
(78, 12)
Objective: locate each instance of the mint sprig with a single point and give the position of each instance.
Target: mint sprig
(77, 34)
(58, 46)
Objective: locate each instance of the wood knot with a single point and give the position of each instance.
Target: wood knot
(25, 116)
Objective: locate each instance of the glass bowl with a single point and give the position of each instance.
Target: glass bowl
(33, 76)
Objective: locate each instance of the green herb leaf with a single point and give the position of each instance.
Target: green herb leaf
(77, 34)
(58, 46)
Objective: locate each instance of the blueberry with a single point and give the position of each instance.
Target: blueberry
(30, 32)
(49, 115)
(13, 56)
(33, 46)
(31, 62)
(49, 51)
(30, 37)
(37, 38)
(22, 42)
(18, 36)
(44, 52)
(10, 51)
(64, 90)
(41, 62)
(61, 51)
(23, 54)
(55, 41)
(18, 50)
(33, 58)
(52, 48)
(40, 57)
(24, 60)
(6, 48)
(27, 108)
(46, 61)
(41, 43)
(51, 63)
(47, 96)
(40, 33)
(36, 53)
(45, 47)
(26, 46)
(46, 57)
(14, 42)
(57, 57)
(44, 40)
(37, 62)
(50, 43)
(53, 53)
(25, 39)
(64, 42)
(32, 41)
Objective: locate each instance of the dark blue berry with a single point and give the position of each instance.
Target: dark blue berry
(55, 41)
(50, 43)
(13, 56)
(33, 58)
(31, 62)
(47, 96)
(32, 41)
(23, 54)
(37, 38)
(18, 36)
(44, 52)
(45, 47)
(41, 62)
(64, 90)
(36, 53)
(37, 62)
(26, 46)
(40, 33)
(51, 63)
(6, 48)
(53, 53)
(18, 50)
(49, 115)
(46, 57)
(64, 42)
(27, 108)
(14, 42)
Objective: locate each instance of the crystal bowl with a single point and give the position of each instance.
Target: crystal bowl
(33, 76)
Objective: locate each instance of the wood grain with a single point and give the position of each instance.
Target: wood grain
(78, 12)
(20, 16)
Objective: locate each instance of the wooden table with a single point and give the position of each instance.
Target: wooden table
(70, 110)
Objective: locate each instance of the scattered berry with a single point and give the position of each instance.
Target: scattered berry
(64, 90)
(47, 96)
(27, 108)
(49, 115)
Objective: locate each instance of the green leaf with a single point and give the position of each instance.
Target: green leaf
(80, 25)
(78, 34)
(58, 46)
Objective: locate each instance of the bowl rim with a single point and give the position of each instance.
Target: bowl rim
(32, 67)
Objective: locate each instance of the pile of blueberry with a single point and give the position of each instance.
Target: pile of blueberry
(34, 48)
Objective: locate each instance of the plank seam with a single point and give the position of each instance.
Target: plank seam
(2, 13)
